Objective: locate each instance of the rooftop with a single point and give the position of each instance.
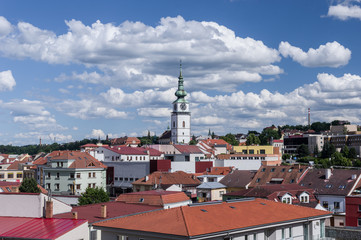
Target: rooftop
(205, 219)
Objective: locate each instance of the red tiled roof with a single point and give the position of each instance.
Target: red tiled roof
(215, 142)
(188, 148)
(92, 212)
(89, 145)
(219, 171)
(127, 150)
(36, 228)
(82, 159)
(154, 197)
(207, 219)
(169, 178)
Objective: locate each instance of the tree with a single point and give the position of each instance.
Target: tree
(320, 126)
(93, 195)
(345, 151)
(352, 153)
(286, 156)
(231, 139)
(29, 185)
(252, 139)
(338, 160)
(315, 151)
(268, 134)
(327, 150)
(302, 150)
(193, 141)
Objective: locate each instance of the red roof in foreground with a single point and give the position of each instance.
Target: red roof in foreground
(92, 212)
(211, 218)
(154, 197)
(36, 228)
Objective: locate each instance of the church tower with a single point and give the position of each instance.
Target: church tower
(181, 116)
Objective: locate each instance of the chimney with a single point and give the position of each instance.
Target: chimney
(75, 215)
(146, 178)
(328, 173)
(49, 209)
(103, 211)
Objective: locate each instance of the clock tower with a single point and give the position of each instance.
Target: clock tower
(181, 116)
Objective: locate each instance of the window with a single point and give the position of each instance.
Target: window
(48, 174)
(57, 175)
(359, 222)
(263, 169)
(19, 175)
(122, 237)
(244, 151)
(48, 186)
(61, 164)
(89, 185)
(325, 204)
(78, 175)
(336, 205)
(174, 124)
(273, 169)
(93, 185)
(2, 175)
(58, 164)
(10, 175)
(126, 179)
(71, 175)
(251, 151)
(292, 181)
(258, 179)
(262, 151)
(94, 175)
(57, 186)
(89, 175)
(184, 124)
(359, 208)
(78, 186)
(283, 169)
(290, 232)
(116, 179)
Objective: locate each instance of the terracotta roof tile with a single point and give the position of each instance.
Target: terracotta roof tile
(154, 197)
(92, 212)
(169, 178)
(188, 149)
(238, 178)
(205, 219)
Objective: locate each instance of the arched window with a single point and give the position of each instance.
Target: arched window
(173, 124)
(184, 124)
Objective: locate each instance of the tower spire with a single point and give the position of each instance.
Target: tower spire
(180, 93)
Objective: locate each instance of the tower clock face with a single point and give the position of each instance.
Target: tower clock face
(183, 106)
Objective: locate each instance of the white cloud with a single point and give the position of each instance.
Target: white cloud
(97, 133)
(332, 54)
(345, 11)
(209, 120)
(26, 107)
(154, 112)
(142, 56)
(5, 27)
(89, 108)
(7, 81)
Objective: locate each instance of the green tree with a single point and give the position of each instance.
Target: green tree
(345, 151)
(315, 151)
(320, 126)
(193, 141)
(268, 134)
(352, 153)
(252, 139)
(231, 139)
(338, 160)
(327, 150)
(93, 195)
(302, 150)
(29, 185)
(286, 156)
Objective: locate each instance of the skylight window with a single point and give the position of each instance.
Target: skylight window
(203, 210)
(232, 207)
(328, 186)
(141, 200)
(342, 187)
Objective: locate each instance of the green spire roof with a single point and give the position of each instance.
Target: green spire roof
(180, 93)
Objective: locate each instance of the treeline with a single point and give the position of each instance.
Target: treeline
(34, 149)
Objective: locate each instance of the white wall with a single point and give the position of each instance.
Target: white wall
(239, 164)
(188, 167)
(29, 205)
(331, 199)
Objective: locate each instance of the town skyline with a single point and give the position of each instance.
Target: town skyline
(112, 68)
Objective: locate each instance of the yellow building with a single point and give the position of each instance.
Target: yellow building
(254, 149)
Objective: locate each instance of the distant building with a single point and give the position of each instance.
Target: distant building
(126, 141)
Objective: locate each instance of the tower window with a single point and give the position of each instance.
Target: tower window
(173, 124)
(184, 124)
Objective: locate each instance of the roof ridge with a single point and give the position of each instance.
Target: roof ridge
(185, 220)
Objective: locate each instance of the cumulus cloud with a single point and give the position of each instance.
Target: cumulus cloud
(97, 133)
(89, 108)
(154, 112)
(345, 10)
(5, 26)
(7, 81)
(142, 56)
(332, 54)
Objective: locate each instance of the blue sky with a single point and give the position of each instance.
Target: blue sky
(86, 69)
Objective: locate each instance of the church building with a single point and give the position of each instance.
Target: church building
(181, 116)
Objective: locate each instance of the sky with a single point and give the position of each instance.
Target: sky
(71, 70)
